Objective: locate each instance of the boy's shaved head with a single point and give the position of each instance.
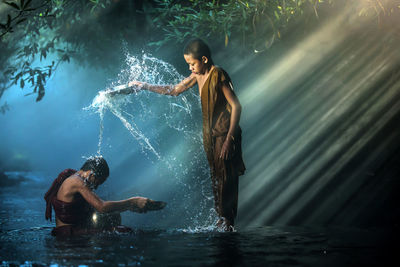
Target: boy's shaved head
(98, 165)
(197, 48)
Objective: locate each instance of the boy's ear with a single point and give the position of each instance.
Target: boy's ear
(204, 59)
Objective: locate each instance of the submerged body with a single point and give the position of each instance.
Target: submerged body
(72, 197)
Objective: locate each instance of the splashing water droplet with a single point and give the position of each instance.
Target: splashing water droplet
(150, 70)
(145, 114)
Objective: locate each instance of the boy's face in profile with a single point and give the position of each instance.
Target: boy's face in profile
(196, 66)
(96, 181)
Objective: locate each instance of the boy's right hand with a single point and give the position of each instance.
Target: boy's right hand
(137, 204)
(142, 204)
(125, 89)
(155, 205)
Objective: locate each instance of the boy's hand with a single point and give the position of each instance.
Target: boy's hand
(112, 93)
(137, 84)
(142, 204)
(226, 149)
(138, 204)
(125, 89)
(155, 205)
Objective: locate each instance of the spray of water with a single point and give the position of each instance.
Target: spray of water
(177, 112)
(144, 114)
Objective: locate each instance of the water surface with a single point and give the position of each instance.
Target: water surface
(26, 241)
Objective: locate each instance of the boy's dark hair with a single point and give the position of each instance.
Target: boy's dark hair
(98, 165)
(197, 48)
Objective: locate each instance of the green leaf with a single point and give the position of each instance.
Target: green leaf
(21, 20)
(14, 5)
(22, 84)
(8, 20)
(43, 53)
(276, 14)
(8, 71)
(40, 93)
(49, 45)
(17, 77)
(65, 58)
(27, 4)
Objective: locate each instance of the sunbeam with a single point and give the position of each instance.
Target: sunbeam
(324, 102)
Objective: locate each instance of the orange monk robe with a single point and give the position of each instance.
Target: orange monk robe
(216, 122)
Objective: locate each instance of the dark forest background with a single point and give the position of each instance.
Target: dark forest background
(92, 32)
(318, 81)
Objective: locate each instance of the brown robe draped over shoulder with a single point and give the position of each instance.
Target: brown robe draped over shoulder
(216, 122)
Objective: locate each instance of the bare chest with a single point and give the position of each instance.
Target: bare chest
(200, 82)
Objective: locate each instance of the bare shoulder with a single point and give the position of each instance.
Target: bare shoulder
(72, 182)
(69, 187)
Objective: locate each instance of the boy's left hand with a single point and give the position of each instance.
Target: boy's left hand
(226, 149)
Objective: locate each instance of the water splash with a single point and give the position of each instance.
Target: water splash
(146, 115)
(151, 70)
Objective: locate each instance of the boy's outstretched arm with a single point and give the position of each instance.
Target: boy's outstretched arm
(234, 122)
(137, 204)
(174, 90)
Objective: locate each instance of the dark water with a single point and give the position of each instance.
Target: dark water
(25, 240)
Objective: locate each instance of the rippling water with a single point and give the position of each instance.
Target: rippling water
(26, 241)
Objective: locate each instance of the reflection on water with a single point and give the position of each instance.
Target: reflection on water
(252, 247)
(25, 240)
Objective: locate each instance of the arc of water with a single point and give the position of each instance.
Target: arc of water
(134, 131)
(149, 69)
(101, 111)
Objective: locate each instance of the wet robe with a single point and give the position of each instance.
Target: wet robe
(77, 213)
(216, 121)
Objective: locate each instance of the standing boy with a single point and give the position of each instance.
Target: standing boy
(221, 132)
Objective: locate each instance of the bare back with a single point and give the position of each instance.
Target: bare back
(68, 189)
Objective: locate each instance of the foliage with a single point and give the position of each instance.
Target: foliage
(385, 12)
(251, 21)
(91, 31)
(4, 108)
(33, 30)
